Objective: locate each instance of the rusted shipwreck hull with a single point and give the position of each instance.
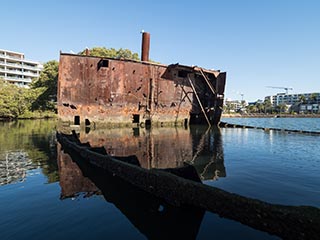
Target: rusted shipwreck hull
(119, 91)
(181, 187)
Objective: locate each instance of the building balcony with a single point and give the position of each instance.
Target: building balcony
(32, 67)
(23, 66)
(10, 57)
(18, 79)
(14, 65)
(14, 71)
(14, 57)
(32, 74)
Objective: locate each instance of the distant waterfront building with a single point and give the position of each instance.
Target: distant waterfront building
(14, 68)
(234, 105)
(306, 102)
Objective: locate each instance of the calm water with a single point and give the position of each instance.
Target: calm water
(305, 124)
(46, 195)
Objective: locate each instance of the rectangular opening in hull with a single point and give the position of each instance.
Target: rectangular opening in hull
(136, 118)
(76, 120)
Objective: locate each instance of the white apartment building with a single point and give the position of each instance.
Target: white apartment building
(14, 68)
(290, 99)
(308, 102)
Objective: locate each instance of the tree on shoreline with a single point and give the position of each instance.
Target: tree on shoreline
(14, 100)
(47, 84)
(313, 98)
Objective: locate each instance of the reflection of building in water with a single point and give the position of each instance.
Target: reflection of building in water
(165, 147)
(152, 216)
(13, 167)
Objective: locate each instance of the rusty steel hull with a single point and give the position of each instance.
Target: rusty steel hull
(94, 90)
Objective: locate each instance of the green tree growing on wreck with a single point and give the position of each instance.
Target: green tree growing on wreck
(111, 53)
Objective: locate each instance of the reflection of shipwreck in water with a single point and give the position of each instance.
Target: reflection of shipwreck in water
(94, 90)
(159, 148)
(13, 167)
(165, 147)
(177, 189)
(152, 216)
(71, 178)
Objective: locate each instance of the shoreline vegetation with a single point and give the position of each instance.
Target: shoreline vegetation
(31, 115)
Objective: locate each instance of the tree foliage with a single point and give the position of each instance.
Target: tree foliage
(111, 53)
(16, 101)
(313, 98)
(46, 84)
(11, 100)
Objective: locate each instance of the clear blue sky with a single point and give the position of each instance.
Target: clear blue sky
(258, 43)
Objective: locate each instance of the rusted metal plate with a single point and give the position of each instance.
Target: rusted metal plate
(126, 91)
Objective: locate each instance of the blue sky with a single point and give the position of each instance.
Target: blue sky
(258, 43)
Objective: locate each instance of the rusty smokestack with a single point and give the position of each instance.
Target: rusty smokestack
(145, 46)
(87, 52)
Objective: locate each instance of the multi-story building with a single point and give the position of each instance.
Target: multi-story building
(14, 68)
(308, 102)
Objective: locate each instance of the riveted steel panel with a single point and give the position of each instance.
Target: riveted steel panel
(117, 91)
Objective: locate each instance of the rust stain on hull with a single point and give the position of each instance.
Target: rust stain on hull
(116, 91)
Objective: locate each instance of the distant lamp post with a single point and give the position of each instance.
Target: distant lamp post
(242, 101)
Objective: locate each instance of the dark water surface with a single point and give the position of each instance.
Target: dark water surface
(46, 195)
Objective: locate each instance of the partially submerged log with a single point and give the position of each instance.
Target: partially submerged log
(288, 222)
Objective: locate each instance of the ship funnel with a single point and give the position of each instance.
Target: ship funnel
(145, 46)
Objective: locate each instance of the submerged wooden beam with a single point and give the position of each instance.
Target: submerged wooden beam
(232, 125)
